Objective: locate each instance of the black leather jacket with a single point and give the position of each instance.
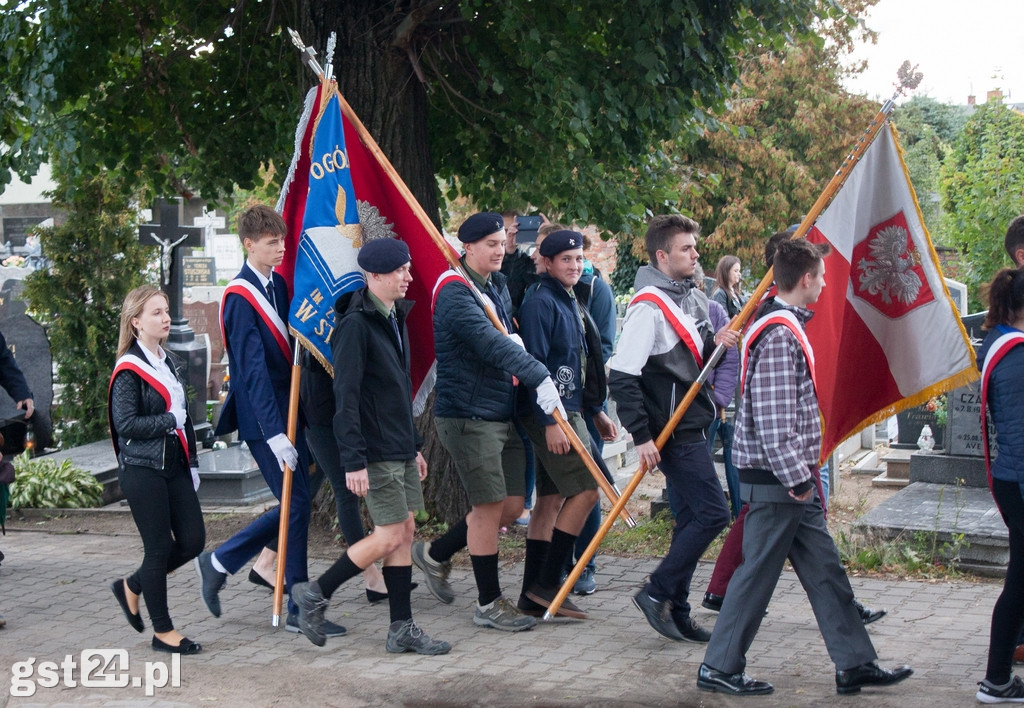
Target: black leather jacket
(139, 421)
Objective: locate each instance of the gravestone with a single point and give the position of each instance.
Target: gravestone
(198, 271)
(11, 287)
(228, 254)
(963, 436)
(17, 228)
(958, 293)
(204, 317)
(909, 424)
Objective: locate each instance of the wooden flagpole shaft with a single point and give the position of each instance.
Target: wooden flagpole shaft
(447, 250)
(737, 324)
(286, 488)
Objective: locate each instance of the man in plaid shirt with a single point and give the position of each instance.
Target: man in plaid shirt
(776, 448)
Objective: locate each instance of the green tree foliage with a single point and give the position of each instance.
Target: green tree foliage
(557, 103)
(96, 259)
(927, 130)
(983, 190)
(790, 125)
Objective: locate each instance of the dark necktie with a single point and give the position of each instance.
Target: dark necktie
(394, 327)
(270, 295)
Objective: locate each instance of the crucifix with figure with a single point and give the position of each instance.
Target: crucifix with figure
(173, 239)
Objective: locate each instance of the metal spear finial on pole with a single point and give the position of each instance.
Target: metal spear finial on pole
(308, 53)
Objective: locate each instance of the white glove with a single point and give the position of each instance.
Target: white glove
(195, 478)
(518, 340)
(284, 451)
(548, 398)
(179, 417)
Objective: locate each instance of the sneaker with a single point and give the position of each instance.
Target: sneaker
(211, 581)
(435, 574)
(545, 596)
(329, 629)
(658, 614)
(407, 636)
(1011, 693)
(691, 631)
(585, 585)
(502, 614)
(311, 604)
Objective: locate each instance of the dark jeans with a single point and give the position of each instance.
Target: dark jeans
(696, 497)
(725, 430)
(1008, 613)
(166, 511)
(324, 449)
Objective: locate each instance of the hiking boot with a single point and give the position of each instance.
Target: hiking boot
(312, 605)
(585, 585)
(1013, 692)
(407, 636)
(545, 596)
(435, 574)
(329, 629)
(502, 614)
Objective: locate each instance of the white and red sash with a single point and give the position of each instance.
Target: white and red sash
(142, 368)
(447, 278)
(1000, 348)
(263, 308)
(786, 319)
(682, 324)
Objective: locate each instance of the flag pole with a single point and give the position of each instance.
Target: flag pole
(456, 265)
(908, 79)
(286, 488)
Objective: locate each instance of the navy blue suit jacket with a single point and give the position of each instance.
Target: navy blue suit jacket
(257, 402)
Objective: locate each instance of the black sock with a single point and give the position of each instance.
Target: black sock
(485, 570)
(453, 541)
(536, 554)
(559, 552)
(398, 578)
(342, 570)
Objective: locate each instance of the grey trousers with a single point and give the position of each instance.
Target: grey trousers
(778, 527)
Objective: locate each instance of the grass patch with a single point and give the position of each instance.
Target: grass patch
(650, 537)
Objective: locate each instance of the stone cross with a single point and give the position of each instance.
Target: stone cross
(171, 238)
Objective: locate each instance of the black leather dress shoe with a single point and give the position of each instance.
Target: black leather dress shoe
(713, 602)
(738, 684)
(852, 680)
(867, 615)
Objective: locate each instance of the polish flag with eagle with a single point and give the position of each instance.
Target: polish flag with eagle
(886, 334)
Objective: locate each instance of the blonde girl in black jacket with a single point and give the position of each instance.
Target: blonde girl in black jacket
(156, 450)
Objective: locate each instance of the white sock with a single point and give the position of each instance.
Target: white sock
(216, 564)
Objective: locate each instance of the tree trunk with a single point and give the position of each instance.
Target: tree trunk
(379, 82)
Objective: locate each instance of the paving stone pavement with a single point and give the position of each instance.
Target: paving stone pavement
(54, 594)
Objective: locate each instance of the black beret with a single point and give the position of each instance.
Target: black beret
(558, 241)
(480, 225)
(383, 255)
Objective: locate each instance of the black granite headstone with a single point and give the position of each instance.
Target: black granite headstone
(910, 423)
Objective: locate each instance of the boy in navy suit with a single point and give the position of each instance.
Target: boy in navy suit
(254, 315)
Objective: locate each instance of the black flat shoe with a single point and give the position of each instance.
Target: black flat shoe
(373, 597)
(135, 620)
(257, 579)
(186, 646)
(852, 680)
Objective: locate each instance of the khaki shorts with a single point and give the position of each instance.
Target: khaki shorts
(488, 456)
(565, 475)
(394, 491)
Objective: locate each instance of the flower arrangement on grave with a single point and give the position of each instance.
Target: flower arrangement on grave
(14, 262)
(936, 405)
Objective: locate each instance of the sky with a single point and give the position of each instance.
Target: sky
(960, 47)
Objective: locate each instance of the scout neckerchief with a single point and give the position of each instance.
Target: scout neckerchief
(142, 368)
(682, 324)
(258, 299)
(1000, 348)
